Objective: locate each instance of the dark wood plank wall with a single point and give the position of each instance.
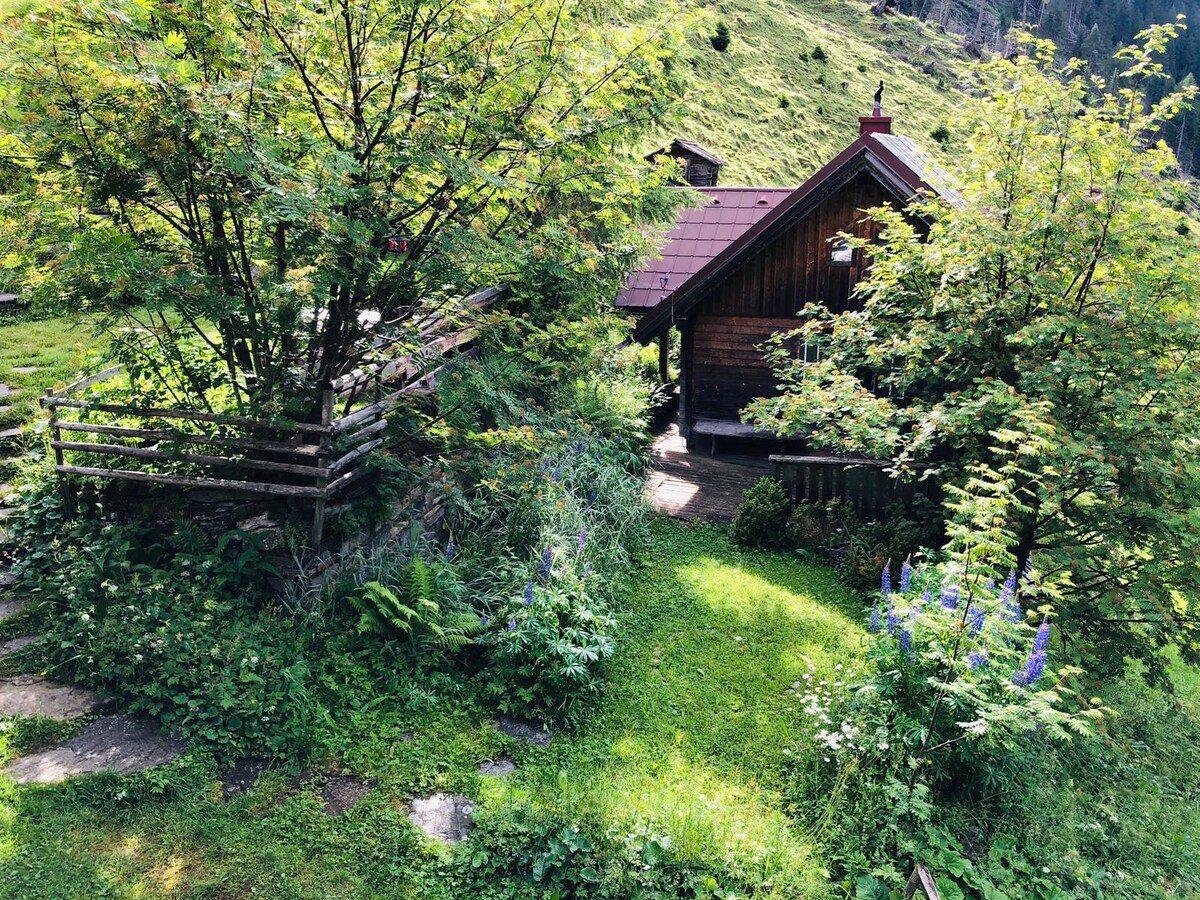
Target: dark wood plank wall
(763, 296)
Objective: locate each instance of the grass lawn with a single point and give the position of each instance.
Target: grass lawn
(689, 740)
(55, 348)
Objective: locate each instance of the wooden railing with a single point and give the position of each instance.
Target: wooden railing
(863, 483)
(314, 461)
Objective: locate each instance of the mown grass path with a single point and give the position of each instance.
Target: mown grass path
(690, 740)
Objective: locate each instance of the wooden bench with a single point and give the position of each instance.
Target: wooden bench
(719, 428)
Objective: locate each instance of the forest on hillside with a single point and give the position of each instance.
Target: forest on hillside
(1090, 30)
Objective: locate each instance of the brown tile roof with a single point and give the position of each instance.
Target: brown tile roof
(700, 233)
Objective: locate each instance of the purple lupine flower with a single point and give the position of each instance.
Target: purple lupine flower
(556, 475)
(587, 569)
(950, 596)
(483, 620)
(545, 466)
(1010, 587)
(512, 624)
(906, 574)
(582, 541)
(591, 502)
(977, 618)
(360, 577)
(529, 593)
(873, 621)
(450, 551)
(547, 561)
(1042, 641)
(886, 580)
(926, 597)
(1032, 670)
(892, 619)
(905, 642)
(977, 659)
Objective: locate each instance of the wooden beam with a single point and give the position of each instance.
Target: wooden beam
(195, 458)
(188, 414)
(252, 487)
(186, 438)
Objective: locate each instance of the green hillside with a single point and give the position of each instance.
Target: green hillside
(737, 104)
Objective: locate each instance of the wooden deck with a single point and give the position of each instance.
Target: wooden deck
(693, 486)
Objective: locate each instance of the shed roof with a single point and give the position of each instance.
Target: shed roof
(682, 145)
(894, 160)
(700, 233)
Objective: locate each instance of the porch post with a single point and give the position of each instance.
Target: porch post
(685, 378)
(664, 357)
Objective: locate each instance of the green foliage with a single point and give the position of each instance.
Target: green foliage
(941, 134)
(412, 611)
(818, 53)
(833, 533)
(720, 38)
(763, 518)
(1041, 345)
(225, 207)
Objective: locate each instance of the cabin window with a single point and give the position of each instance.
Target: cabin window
(841, 254)
(810, 351)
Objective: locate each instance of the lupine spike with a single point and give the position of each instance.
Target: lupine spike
(512, 624)
(587, 569)
(892, 619)
(1042, 641)
(582, 541)
(886, 579)
(1032, 670)
(873, 621)
(906, 574)
(977, 659)
(1010, 586)
(547, 562)
(905, 642)
(927, 597)
(950, 596)
(977, 620)
(529, 593)
(450, 551)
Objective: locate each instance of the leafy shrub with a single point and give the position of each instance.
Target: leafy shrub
(941, 134)
(784, 102)
(859, 550)
(524, 851)
(818, 53)
(720, 38)
(763, 518)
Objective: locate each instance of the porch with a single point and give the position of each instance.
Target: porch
(696, 485)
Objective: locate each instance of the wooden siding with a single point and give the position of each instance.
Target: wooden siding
(763, 296)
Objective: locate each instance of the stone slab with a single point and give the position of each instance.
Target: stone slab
(9, 608)
(30, 695)
(524, 730)
(497, 768)
(444, 817)
(341, 793)
(121, 744)
(25, 370)
(18, 643)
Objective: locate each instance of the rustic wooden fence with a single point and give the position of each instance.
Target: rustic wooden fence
(314, 462)
(862, 482)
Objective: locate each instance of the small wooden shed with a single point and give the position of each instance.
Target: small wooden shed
(738, 269)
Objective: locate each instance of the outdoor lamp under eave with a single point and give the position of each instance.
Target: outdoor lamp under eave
(397, 244)
(841, 254)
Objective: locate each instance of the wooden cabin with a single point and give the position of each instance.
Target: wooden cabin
(738, 269)
(697, 166)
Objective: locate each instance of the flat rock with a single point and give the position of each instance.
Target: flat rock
(5, 390)
(9, 608)
(29, 695)
(242, 776)
(497, 768)
(10, 433)
(25, 370)
(444, 817)
(120, 744)
(523, 730)
(340, 793)
(14, 644)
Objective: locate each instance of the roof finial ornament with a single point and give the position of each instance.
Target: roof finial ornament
(878, 111)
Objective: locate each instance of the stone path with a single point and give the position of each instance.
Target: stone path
(114, 743)
(444, 817)
(121, 744)
(497, 768)
(523, 730)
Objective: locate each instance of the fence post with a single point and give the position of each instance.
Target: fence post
(318, 523)
(64, 489)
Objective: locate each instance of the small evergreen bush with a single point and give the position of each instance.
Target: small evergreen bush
(818, 54)
(941, 134)
(763, 518)
(720, 38)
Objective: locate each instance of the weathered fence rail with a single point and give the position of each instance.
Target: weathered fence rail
(306, 461)
(864, 483)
